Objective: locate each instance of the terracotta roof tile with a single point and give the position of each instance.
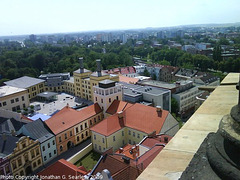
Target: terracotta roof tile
(68, 117)
(118, 106)
(60, 168)
(128, 79)
(138, 116)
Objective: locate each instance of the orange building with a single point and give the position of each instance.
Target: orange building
(72, 127)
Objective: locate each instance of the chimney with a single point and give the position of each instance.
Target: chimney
(99, 69)
(159, 108)
(67, 105)
(120, 150)
(165, 139)
(81, 64)
(120, 115)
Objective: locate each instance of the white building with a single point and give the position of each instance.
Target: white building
(106, 92)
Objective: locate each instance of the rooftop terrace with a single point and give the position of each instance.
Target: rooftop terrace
(175, 157)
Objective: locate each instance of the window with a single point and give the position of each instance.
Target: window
(24, 105)
(95, 120)
(37, 152)
(61, 148)
(134, 142)
(0, 104)
(70, 133)
(14, 164)
(100, 148)
(90, 122)
(123, 142)
(32, 153)
(85, 125)
(53, 142)
(95, 146)
(101, 100)
(138, 135)
(130, 142)
(129, 132)
(76, 129)
(16, 99)
(39, 161)
(78, 138)
(86, 133)
(65, 135)
(4, 103)
(7, 169)
(34, 164)
(45, 158)
(26, 157)
(60, 139)
(96, 98)
(19, 162)
(122, 133)
(54, 151)
(50, 155)
(23, 145)
(103, 140)
(94, 137)
(43, 148)
(109, 99)
(12, 101)
(133, 134)
(114, 138)
(82, 136)
(99, 118)
(117, 97)
(81, 127)
(48, 145)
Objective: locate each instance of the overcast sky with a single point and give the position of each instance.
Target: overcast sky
(52, 16)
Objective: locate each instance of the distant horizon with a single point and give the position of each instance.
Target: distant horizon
(133, 29)
(58, 16)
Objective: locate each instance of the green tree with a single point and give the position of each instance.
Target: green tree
(174, 106)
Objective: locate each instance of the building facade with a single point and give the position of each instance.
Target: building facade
(34, 86)
(13, 98)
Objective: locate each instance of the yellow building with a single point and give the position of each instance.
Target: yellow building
(131, 125)
(85, 80)
(34, 86)
(69, 86)
(25, 157)
(13, 98)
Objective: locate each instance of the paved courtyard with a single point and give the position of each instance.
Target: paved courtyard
(48, 108)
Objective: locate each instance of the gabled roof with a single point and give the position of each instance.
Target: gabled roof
(68, 117)
(24, 82)
(63, 168)
(140, 117)
(128, 79)
(7, 146)
(37, 130)
(7, 125)
(118, 106)
(118, 169)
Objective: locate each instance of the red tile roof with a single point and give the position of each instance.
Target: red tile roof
(118, 169)
(62, 168)
(128, 79)
(68, 117)
(158, 139)
(118, 106)
(140, 117)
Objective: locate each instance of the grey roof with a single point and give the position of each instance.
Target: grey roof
(96, 74)
(38, 130)
(7, 146)
(24, 82)
(7, 125)
(47, 94)
(84, 71)
(106, 81)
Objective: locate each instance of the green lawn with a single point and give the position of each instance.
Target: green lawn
(89, 161)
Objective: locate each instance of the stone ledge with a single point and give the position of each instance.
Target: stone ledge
(173, 160)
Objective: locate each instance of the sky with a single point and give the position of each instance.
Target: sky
(23, 17)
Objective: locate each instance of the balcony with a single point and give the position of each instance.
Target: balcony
(175, 157)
